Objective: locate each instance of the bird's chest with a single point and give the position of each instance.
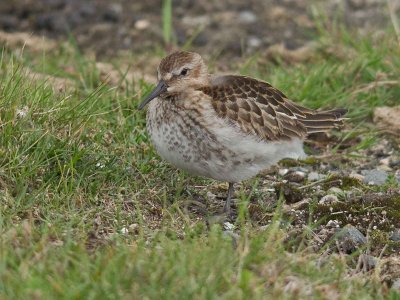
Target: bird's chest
(179, 137)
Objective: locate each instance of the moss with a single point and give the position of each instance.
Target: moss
(349, 182)
(373, 209)
(379, 239)
(343, 182)
(311, 160)
(288, 163)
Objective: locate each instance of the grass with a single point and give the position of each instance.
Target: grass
(167, 21)
(89, 211)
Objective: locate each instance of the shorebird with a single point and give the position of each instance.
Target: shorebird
(228, 128)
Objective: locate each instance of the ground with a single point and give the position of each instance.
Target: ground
(89, 210)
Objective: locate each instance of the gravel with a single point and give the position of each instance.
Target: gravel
(328, 200)
(374, 177)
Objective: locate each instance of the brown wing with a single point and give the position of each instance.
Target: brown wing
(260, 109)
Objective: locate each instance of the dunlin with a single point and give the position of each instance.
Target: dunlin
(228, 128)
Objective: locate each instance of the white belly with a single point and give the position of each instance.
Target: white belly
(221, 152)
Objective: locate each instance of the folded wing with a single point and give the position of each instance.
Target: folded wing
(260, 109)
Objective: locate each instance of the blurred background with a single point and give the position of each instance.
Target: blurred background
(230, 27)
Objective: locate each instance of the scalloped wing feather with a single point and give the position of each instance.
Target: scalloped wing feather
(262, 110)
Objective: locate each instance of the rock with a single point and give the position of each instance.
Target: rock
(388, 117)
(395, 236)
(333, 224)
(283, 172)
(134, 228)
(369, 262)
(314, 176)
(254, 42)
(385, 161)
(247, 17)
(336, 191)
(211, 196)
(328, 200)
(374, 177)
(396, 284)
(228, 226)
(350, 238)
(357, 176)
(142, 24)
(295, 176)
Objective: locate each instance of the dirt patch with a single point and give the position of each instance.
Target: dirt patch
(25, 40)
(230, 27)
(114, 77)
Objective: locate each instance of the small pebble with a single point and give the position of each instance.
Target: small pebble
(314, 176)
(336, 191)
(396, 284)
(395, 236)
(211, 196)
(385, 161)
(357, 176)
(328, 200)
(332, 224)
(283, 172)
(295, 176)
(254, 42)
(228, 226)
(142, 24)
(350, 238)
(247, 17)
(134, 227)
(369, 261)
(374, 177)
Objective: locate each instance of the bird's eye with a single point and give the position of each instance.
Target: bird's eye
(184, 71)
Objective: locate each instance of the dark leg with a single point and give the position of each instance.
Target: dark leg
(227, 206)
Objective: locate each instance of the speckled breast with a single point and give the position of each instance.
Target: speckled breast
(180, 139)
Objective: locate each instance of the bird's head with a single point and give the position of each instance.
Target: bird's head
(177, 72)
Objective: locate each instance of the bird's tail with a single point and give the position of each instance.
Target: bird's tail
(320, 121)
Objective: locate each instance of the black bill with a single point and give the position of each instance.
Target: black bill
(158, 90)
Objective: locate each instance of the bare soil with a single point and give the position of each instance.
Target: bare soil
(229, 27)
